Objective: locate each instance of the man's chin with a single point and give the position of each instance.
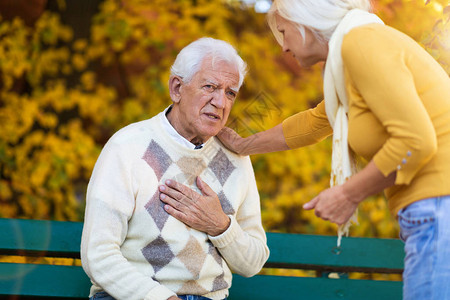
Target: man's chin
(212, 130)
(206, 132)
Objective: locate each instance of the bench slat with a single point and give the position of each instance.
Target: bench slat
(71, 282)
(43, 280)
(299, 251)
(278, 287)
(38, 237)
(296, 251)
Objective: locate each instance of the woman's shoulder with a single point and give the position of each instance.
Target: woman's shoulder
(375, 44)
(375, 37)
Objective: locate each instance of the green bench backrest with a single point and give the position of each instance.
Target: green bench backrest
(317, 252)
(312, 252)
(292, 251)
(42, 239)
(53, 238)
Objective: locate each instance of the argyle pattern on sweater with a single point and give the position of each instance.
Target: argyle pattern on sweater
(158, 251)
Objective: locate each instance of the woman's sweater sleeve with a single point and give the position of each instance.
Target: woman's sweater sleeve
(378, 67)
(307, 127)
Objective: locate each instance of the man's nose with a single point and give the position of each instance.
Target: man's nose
(219, 99)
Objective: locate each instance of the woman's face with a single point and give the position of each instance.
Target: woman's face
(307, 51)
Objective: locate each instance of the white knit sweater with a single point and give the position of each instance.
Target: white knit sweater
(132, 249)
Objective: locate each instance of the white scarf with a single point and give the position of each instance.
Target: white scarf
(336, 103)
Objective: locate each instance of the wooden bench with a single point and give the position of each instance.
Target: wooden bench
(35, 238)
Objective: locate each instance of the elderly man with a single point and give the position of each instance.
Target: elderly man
(170, 212)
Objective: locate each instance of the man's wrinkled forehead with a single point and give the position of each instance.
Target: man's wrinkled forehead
(220, 72)
(211, 81)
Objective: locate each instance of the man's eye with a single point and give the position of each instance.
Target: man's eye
(209, 87)
(231, 94)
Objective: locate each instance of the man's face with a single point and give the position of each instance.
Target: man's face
(205, 102)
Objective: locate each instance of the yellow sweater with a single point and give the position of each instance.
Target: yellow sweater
(399, 113)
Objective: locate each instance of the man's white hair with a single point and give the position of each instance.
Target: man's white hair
(319, 16)
(190, 58)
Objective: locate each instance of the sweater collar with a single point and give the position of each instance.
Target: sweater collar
(174, 134)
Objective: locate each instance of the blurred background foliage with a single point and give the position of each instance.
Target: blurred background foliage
(74, 72)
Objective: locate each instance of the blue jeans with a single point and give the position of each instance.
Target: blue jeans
(425, 229)
(195, 297)
(102, 296)
(192, 297)
(105, 296)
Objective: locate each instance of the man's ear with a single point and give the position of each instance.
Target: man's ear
(175, 83)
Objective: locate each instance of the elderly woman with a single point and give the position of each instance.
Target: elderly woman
(388, 100)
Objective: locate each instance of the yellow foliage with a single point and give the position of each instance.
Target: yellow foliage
(40, 260)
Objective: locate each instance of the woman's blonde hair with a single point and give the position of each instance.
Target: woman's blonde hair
(319, 16)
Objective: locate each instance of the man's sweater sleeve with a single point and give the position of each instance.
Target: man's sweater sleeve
(109, 206)
(244, 244)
